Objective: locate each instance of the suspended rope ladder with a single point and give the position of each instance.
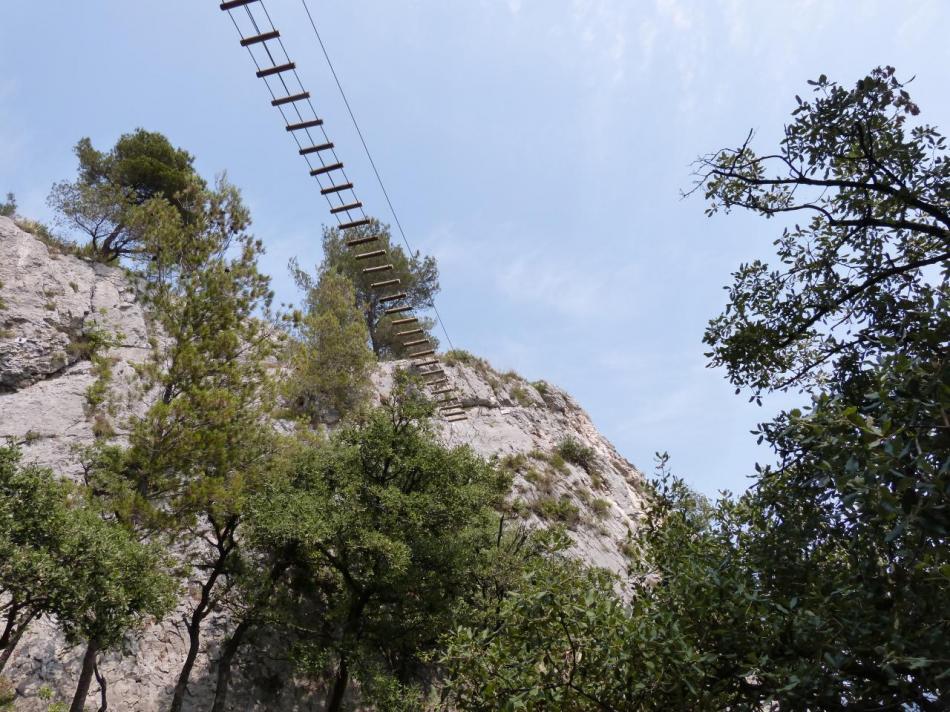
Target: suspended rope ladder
(289, 96)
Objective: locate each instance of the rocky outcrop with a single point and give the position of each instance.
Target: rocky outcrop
(54, 400)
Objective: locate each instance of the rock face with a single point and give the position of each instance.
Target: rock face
(54, 400)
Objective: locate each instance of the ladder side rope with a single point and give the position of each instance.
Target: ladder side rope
(273, 64)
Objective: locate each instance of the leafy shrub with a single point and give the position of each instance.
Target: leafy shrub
(457, 356)
(89, 343)
(557, 509)
(577, 454)
(601, 507)
(598, 480)
(541, 387)
(520, 394)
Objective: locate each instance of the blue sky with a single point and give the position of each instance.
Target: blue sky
(536, 147)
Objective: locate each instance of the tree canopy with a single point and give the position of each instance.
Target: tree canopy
(387, 526)
(112, 188)
(418, 275)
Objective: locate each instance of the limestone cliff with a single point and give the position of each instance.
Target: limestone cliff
(53, 399)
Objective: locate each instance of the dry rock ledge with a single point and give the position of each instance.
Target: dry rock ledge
(51, 302)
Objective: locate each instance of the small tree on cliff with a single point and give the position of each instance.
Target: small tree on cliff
(418, 275)
(34, 514)
(60, 558)
(330, 358)
(113, 186)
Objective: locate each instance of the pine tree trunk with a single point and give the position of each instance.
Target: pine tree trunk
(198, 615)
(85, 677)
(8, 626)
(339, 686)
(228, 651)
(18, 629)
(194, 640)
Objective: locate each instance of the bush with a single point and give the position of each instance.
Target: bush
(520, 394)
(541, 387)
(557, 509)
(457, 356)
(576, 453)
(601, 507)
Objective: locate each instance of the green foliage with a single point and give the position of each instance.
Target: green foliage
(849, 286)
(91, 342)
(456, 356)
(557, 509)
(59, 557)
(849, 533)
(330, 360)
(520, 394)
(116, 582)
(601, 507)
(106, 201)
(387, 526)
(573, 451)
(8, 207)
(418, 275)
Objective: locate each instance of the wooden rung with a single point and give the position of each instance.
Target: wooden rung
(410, 332)
(280, 101)
(316, 149)
(263, 37)
(437, 382)
(456, 420)
(444, 401)
(378, 268)
(433, 372)
(367, 255)
(398, 310)
(444, 390)
(392, 298)
(231, 4)
(325, 169)
(361, 240)
(355, 223)
(387, 283)
(277, 69)
(416, 342)
(426, 363)
(409, 320)
(346, 208)
(452, 407)
(304, 125)
(336, 188)
(427, 352)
